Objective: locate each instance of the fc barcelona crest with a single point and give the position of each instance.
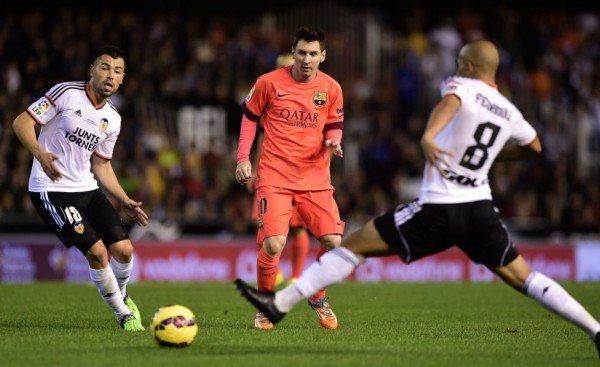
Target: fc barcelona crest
(320, 99)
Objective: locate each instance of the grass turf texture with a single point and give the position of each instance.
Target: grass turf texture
(381, 324)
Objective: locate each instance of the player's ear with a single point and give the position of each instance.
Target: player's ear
(470, 67)
(323, 55)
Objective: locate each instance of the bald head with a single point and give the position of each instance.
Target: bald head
(478, 59)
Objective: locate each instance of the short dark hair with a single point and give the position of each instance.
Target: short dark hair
(112, 51)
(309, 34)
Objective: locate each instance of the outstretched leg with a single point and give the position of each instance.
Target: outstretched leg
(550, 294)
(333, 267)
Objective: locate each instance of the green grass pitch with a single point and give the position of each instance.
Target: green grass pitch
(381, 324)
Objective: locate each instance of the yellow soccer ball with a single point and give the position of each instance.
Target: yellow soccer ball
(174, 326)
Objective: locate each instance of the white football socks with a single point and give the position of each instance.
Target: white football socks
(332, 268)
(122, 273)
(554, 297)
(106, 283)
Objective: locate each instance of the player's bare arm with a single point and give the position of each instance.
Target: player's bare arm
(105, 174)
(439, 118)
(24, 128)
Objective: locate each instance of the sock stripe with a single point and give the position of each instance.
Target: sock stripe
(346, 255)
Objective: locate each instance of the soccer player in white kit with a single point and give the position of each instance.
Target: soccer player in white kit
(79, 129)
(472, 125)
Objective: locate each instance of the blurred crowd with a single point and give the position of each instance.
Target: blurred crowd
(550, 68)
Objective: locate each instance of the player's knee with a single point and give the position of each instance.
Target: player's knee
(122, 251)
(97, 256)
(330, 241)
(274, 245)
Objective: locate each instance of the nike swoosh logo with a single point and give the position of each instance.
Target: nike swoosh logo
(545, 290)
(279, 95)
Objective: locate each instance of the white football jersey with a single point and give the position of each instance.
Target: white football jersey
(483, 124)
(73, 128)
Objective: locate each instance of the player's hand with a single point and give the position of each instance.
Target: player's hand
(435, 156)
(243, 172)
(335, 147)
(134, 211)
(46, 160)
